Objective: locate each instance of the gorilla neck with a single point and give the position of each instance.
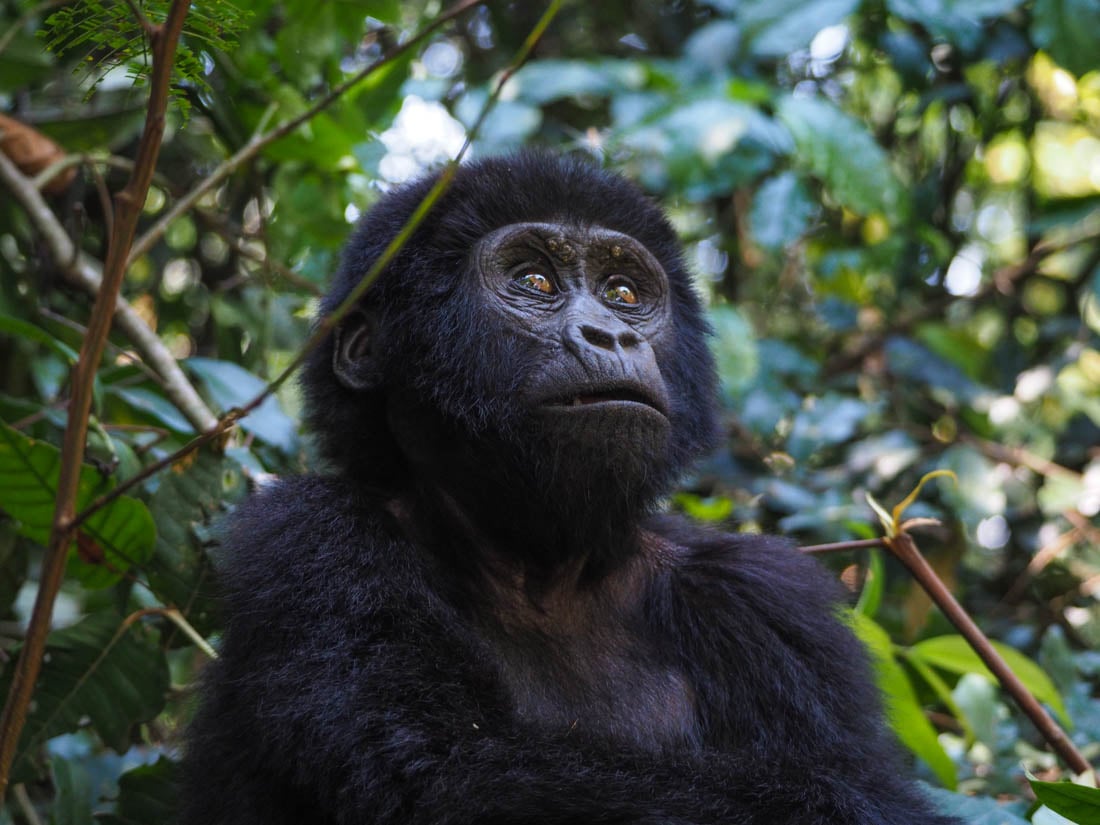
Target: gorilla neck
(543, 505)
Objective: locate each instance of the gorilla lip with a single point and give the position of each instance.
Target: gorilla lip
(599, 396)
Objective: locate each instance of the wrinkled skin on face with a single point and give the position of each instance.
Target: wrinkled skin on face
(452, 333)
(597, 302)
(581, 314)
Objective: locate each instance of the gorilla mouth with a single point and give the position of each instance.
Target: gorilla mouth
(606, 396)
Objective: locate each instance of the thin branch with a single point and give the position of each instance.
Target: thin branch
(260, 141)
(906, 551)
(83, 271)
(128, 203)
(838, 546)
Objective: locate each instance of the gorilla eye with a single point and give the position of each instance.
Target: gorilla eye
(620, 291)
(533, 279)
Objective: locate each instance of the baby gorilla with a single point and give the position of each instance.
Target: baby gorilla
(476, 615)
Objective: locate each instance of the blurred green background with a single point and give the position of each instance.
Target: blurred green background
(891, 206)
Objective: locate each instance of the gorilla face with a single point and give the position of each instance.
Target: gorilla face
(536, 352)
(591, 306)
(552, 384)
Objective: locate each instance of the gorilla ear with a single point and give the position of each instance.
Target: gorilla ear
(353, 356)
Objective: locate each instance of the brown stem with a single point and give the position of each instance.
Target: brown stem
(261, 141)
(837, 546)
(906, 551)
(128, 203)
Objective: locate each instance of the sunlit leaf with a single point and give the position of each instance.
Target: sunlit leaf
(839, 150)
(904, 711)
(955, 655)
(1078, 803)
(1070, 31)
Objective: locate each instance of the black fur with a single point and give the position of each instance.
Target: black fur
(505, 654)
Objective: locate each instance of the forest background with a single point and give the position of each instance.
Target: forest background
(892, 208)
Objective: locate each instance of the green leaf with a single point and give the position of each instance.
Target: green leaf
(870, 597)
(1075, 802)
(108, 544)
(153, 404)
(902, 707)
(181, 572)
(96, 674)
(148, 795)
(955, 655)
(73, 801)
(734, 347)
(27, 330)
(781, 211)
(775, 28)
(957, 21)
(231, 385)
(839, 150)
(544, 81)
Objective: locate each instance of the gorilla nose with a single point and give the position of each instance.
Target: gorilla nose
(603, 338)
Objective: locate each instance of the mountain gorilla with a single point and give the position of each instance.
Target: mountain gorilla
(476, 615)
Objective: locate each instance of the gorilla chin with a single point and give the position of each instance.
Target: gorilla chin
(473, 612)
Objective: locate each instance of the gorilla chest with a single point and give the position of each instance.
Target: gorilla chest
(596, 683)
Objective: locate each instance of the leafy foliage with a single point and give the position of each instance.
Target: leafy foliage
(891, 207)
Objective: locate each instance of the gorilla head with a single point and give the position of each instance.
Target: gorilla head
(536, 351)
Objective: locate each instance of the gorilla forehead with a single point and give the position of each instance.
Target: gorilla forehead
(488, 194)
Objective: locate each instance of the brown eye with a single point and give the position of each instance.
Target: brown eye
(620, 291)
(533, 279)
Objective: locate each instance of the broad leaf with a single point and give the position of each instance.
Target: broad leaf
(108, 544)
(781, 211)
(839, 150)
(775, 29)
(231, 385)
(902, 707)
(1077, 803)
(147, 796)
(96, 674)
(953, 654)
(181, 572)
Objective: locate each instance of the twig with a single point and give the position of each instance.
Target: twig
(128, 203)
(260, 141)
(1020, 457)
(175, 617)
(26, 805)
(83, 271)
(906, 551)
(837, 546)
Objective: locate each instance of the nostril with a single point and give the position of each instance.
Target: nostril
(628, 339)
(598, 337)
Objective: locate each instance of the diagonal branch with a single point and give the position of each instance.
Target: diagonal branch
(261, 141)
(128, 202)
(85, 272)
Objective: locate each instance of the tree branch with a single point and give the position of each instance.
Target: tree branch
(260, 141)
(83, 271)
(128, 203)
(906, 551)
